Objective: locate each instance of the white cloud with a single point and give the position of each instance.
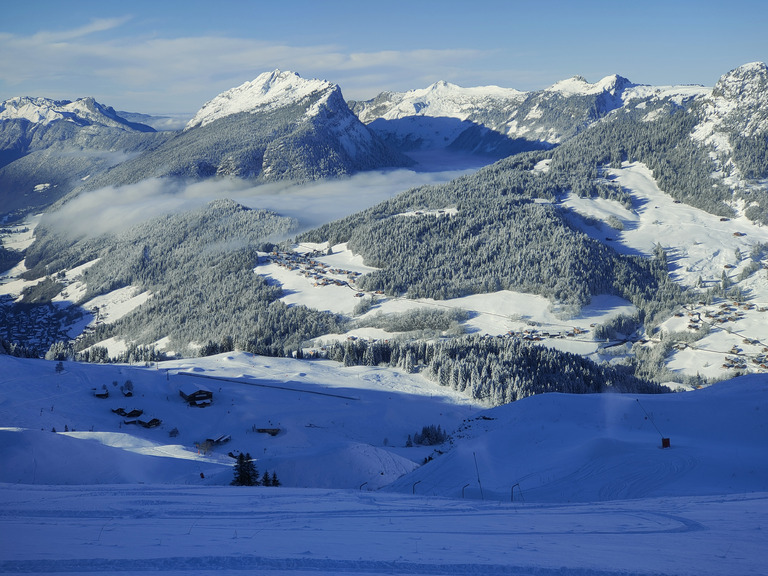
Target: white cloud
(96, 25)
(110, 210)
(155, 74)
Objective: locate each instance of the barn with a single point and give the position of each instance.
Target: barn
(196, 395)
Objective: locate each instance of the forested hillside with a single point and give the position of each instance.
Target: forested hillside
(508, 233)
(199, 268)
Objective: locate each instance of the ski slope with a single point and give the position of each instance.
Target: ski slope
(552, 484)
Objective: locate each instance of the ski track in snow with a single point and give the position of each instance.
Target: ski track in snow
(175, 529)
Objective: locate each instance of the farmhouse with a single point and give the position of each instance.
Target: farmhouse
(196, 395)
(222, 439)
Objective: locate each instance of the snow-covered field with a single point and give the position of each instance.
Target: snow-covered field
(553, 484)
(700, 247)
(699, 244)
(310, 281)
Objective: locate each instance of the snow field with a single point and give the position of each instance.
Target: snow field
(495, 313)
(553, 484)
(180, 530)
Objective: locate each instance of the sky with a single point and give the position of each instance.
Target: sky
(172, 56)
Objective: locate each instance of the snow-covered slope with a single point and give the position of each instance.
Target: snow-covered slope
(568, 448)
(339, 427)
(591, 489)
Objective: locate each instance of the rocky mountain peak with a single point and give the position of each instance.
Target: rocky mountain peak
(745, 82)
(267, 91)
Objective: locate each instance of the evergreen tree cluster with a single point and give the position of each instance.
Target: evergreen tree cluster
(416, 320)
(429, 436)
(496, 369)
(9, 258)
(18, 350)
(246, 473)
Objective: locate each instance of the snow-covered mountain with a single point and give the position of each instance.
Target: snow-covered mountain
(82, 112)
(438, 116)
(32, 124)
(441, 99)
(268, 91)
(277, 127)
(738, 102)
(49, 146)
(498, 121)
(734, 112)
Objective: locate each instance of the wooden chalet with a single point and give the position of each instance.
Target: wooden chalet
(222, 439)
(196, 395)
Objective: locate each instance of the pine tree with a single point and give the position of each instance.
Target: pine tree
(275, 481)
(265, 479)
(246, 473)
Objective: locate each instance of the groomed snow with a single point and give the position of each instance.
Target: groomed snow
(554, 484)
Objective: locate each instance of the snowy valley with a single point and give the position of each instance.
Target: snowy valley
(402, 308)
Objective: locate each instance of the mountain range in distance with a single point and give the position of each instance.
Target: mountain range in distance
(578, 208)
(283, 127)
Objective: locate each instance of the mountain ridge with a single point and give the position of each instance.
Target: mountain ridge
(267, 91)
(537, 119)
(82, 112)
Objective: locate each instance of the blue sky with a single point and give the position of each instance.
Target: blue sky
(172, 56)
